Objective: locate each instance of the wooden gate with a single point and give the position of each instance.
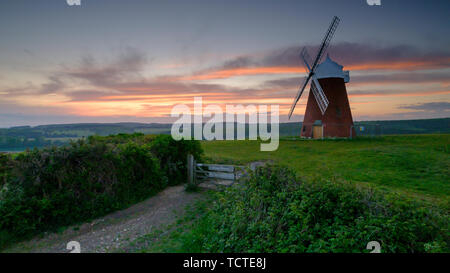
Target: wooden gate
(212, 173)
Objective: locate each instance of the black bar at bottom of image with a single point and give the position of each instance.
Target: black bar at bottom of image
(230, 262)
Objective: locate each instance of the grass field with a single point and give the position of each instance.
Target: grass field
(402, 168)
(413, 165)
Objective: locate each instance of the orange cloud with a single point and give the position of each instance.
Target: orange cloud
(274, 70)
(175, 97)
(411, 94)
(405, 65)
(248, 71)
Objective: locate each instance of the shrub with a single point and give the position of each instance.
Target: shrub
(5, 166)
(173, 156)
(138, 138)
(54, 187)
(59, 186)
(273, 212)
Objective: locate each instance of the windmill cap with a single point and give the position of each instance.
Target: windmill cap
(331, 69)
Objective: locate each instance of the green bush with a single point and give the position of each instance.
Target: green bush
(138, 138)
(55, 187)
(4, 168)
(173, 156)
(273, 212)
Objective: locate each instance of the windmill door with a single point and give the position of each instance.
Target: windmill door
(318, 131)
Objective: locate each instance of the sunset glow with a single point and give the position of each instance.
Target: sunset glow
(137, 67)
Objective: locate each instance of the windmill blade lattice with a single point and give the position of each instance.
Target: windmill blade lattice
(319, 95)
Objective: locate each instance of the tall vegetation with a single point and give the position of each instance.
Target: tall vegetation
(273, 211)
(54, 187)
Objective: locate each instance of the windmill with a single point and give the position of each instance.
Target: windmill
(328, 89)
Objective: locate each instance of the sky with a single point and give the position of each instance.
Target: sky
(134, 60)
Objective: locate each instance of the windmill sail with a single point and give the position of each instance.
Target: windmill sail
(326, 41)
(319, 95)
(299, 94)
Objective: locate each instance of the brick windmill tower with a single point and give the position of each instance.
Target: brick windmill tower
(328, 111)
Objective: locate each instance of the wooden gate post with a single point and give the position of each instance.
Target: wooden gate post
(190, 169)
(194, 169)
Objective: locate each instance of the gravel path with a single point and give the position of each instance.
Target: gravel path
(115, 231)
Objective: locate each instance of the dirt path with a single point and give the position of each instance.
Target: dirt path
(116, 230)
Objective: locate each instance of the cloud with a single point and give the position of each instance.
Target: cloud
(87, 95)
(120, 87)
(396, 93)
(354, 56)
(54, 85)
(128, 64)
(429, 106)
(383, 83)
(285, 82)
(239, 62)
(123, 76)
(357, 54)
(410, 77)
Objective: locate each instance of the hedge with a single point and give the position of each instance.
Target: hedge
(273, 211)
(58, 186)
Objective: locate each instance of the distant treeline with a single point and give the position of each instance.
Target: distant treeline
(45, 135)
(398, 127)
(24, 137)
(20, 142)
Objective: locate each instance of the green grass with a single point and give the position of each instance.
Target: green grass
(272, 212)
(414, 165)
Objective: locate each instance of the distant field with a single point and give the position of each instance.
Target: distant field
(23, 137)
(414, 165)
